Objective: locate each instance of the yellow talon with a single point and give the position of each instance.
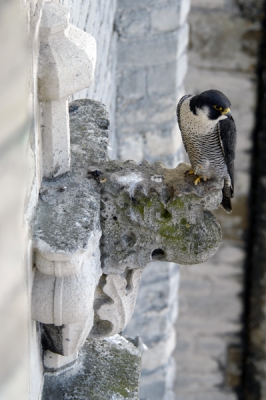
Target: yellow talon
(191, 172)
(197, 180)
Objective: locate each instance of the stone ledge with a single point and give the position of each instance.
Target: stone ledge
(142, 212)
(106, 369)
(150, 213)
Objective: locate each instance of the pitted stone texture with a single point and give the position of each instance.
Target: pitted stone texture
(106, 369)
(66, 237)
(68, 210)
(151, 213)
(146, 213)
(89, 123)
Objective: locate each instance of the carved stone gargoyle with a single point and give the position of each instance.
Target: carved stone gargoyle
(97, 227)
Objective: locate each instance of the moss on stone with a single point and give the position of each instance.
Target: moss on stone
(106, 369)
(178, 203)
(165, 214)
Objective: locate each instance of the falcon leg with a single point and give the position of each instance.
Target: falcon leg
(197, 180)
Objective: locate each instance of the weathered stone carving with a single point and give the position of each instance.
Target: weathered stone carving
(142, 213)
(67, 241)
(115, 300)
(153, 213)
(66, 65)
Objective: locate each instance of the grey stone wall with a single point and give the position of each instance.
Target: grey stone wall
(151, 65)
(97, 18)
(154, 317)
(208, 355)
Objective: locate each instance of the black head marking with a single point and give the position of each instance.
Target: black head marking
(210, 98)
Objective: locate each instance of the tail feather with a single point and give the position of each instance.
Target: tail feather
(227, 195)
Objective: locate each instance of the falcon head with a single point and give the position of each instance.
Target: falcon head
(212, 103)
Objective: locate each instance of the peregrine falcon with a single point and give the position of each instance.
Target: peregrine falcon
(209, 135)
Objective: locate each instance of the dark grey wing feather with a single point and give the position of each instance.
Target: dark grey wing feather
(178, 115)
(227, 133)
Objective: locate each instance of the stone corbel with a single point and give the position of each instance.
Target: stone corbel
(98, 226)
(67, 60)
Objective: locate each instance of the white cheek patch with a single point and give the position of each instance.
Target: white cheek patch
(203, 112)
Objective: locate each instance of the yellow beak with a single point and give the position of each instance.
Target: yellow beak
(226, 111)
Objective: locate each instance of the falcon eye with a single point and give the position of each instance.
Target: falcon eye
(218, 108)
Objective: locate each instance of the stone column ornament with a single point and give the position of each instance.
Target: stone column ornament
(98, 226)
(67, 59)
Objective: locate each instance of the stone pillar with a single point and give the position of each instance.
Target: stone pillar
(97, 18)
(151, 66)
(66, 64)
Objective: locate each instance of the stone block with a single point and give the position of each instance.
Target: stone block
(160, 144)
(206, 395)
(182, 37)
(157, 384)
(196, 384)
(151, 321)
(139, 4)
(60, 44)
(148, 111)
(55, 147)
(54, 362)
(182, 65)
(133, 23)
(162, 271)
(159, 354)
(151, 50)
(162, 79)
(217, 42)
(165, 19)
(66, 64)
(183, 11)
(156, 306)
(132, 147)
(106, 369)
(132, 84)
